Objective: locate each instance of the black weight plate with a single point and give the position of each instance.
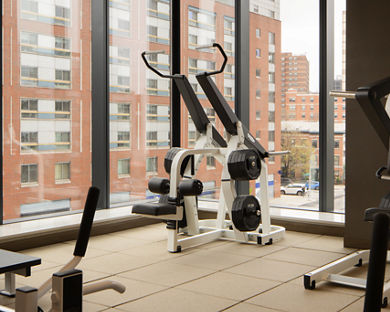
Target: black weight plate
(169, 159)
(246, 213)
(244, 165)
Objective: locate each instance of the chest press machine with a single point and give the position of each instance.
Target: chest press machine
(376, 107)
(242, 158)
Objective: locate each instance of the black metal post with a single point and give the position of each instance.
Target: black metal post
(175, 55)
(100, 102)
(377, 264)
(326, 141)
(241, 83)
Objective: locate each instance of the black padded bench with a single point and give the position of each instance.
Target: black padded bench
(12, 263)
(155, 209)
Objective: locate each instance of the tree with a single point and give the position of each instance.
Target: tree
(297, 162)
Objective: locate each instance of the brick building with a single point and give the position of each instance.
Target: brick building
(47, 95)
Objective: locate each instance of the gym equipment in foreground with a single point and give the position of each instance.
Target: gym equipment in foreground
(370, 99)
(66, 274)
(242, 158)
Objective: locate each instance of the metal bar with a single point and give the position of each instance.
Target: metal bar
(1, 118)
(10, 283)
(241, 83)
(175, 54)
(347, 280)
(100, 100)
(326, 140)
(343, 94)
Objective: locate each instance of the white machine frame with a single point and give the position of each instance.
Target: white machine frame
(200, 232)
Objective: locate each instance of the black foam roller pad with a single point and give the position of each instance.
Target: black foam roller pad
(159, 185)
(192, 187)
(86, 222)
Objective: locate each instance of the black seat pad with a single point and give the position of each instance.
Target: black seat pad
(370, 212)
(154, 209)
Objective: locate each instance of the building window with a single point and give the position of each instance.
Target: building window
(29, 173)
(291, 99)
(257, 73)
(124, 167)
(271, 58)
(62, 140)
(151, 138)
(29, 140)
(336, 160)
(271, 38)
(271, 96)
(29, 38)
(62, 109)
(62, 12)
(258, 134)
(336, 144)
(123, 138)
(29, 108)
(256, 8)
(123, 80)
(124, 52)
(193, 40)
(314, 143)
(210, 162)
(311, 107)
(271, 116)
(258, 53)
(312, 99)
(271, 136)
(303, 115)
(271, 77)
(29, 72)
(31, 6)
(292, 107)
(258, 32)
(257, 115)
(258, 93)
(62, 171)
(303, 107)
(63, 75)
(151, 164)
(62, 43)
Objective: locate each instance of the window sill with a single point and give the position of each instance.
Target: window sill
(28, 234)
(33, 184)
(67, 181)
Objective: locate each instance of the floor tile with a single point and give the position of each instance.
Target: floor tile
(327, 243)
(211, 259)
(230, 286)
(247, 307)
(325, 286)
(358, 306)
(134, 290)
(113, 243)
(271, 269)
(147, 233)
(156, 251)
(177, 300)
(304, 256)
(167, 273)
(250, 250)
(289, 297)
(114, 263)
(295, 238)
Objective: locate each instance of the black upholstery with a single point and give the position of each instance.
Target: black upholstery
(154, 209)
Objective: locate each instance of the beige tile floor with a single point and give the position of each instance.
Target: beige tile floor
(220, 276)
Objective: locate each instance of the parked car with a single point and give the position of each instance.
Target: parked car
(294, 189)
(314, 185)
(286, 181)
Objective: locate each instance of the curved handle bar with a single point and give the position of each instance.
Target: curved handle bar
(153, 69)
(225, 58)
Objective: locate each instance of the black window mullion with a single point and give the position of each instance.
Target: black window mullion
(100, 100)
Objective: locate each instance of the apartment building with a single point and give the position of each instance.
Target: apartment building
(47, 96)
(301, 123)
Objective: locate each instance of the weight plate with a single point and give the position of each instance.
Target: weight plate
(244, 165)
(168, 160)
(246, 215)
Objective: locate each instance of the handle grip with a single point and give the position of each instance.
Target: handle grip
(86, 222)
(221, 50)
(153, 69)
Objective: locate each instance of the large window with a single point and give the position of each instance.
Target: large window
(139, 99)
(46, 106)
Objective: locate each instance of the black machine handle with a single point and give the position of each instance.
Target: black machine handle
(86, 222)
(153, 69)
(225, 58)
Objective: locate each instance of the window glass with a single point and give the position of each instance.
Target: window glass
(139, 99)
(46, 106)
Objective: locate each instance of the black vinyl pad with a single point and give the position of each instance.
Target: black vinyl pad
(155, 209)
(370, 212)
